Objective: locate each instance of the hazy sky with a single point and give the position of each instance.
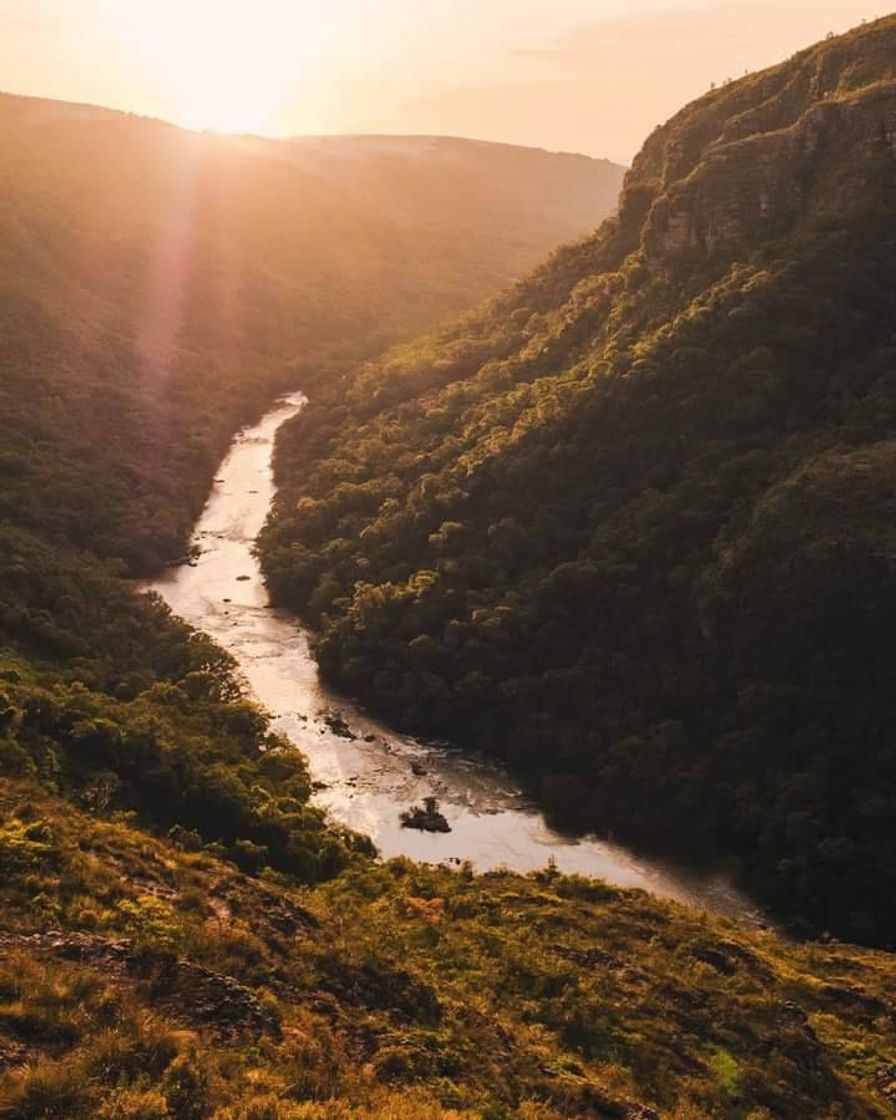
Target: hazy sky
(584, 75)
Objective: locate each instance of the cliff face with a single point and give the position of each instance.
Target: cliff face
(749, 161)
(563, 528)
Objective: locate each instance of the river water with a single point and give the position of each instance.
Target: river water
(365, 782)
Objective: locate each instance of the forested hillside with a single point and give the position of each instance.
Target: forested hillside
(158, 287)
(631, 526)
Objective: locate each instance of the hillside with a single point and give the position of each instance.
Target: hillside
(498, 189)
(630, 526)
(147, 980)
(159, 287)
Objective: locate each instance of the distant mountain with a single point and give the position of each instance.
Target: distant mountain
(159, 286)
(631, 526)
(427, 175)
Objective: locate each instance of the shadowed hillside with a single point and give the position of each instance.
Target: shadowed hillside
(629, 527)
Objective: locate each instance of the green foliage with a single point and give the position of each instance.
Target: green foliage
(630, 527)
(124, 708)
(726, 1069)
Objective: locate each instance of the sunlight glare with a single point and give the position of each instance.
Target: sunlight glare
(224, 64)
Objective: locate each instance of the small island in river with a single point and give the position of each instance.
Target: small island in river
(427, 819)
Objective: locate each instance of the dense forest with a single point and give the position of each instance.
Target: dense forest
(630, 526)
(159, 287)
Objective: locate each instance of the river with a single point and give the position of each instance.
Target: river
(365, 782)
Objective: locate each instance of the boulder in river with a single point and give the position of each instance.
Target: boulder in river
(427, 819)
(338, 726)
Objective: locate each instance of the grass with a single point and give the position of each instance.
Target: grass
(400, 991)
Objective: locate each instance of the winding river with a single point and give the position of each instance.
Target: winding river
(365, 781)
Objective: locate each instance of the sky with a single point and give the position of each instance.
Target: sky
(591, 76)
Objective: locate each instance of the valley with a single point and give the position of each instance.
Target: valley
(368, 773)
(493, 723)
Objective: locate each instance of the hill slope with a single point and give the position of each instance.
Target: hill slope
(150, 981)
(498, 189)
(158, 287)
(631, 525)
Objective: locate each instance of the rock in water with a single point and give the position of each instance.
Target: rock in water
(338, 726)
(427, 819)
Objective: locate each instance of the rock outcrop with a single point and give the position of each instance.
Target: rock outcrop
(748, 161)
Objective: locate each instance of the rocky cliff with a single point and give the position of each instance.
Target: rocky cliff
(751, 160)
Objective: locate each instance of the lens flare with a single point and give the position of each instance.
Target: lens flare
(222, 65)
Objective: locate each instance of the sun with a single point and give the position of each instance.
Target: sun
(222, 64)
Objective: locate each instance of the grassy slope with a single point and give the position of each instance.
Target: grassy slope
(401, 991)
(629, 524)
